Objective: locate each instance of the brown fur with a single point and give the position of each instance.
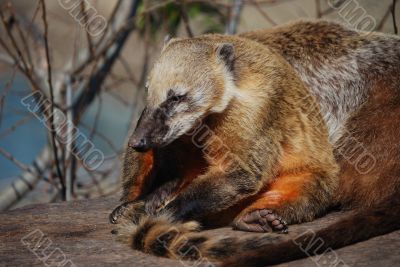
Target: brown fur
(298, 180)
(371, 124)
(294, 139)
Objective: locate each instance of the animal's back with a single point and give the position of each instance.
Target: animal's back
(340, 65)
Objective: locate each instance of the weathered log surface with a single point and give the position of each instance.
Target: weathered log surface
(80, 232)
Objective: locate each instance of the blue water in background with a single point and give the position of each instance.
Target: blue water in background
(29, 139)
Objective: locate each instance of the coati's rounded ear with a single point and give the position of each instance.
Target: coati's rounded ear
(226, 52)
(167, 39)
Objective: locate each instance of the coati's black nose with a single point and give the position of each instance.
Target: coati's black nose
(140, 145)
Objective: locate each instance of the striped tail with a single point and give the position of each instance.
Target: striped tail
(162, 236)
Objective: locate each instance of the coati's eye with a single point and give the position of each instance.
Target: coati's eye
(177, 98)
(173, 98)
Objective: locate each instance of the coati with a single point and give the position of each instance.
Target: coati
(283, 167)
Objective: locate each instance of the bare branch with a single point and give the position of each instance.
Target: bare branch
(88, 37)
(7, 26)
(95, 82)
(111, 20)
(263, 13)
(69, 185)
(318, 8)
(16, 24)
(13, 127)
(117, 97)
(11, 158)
(101, 136)
(185, 18)
(128, 70)
(329, 10)
(234, 17)
(96, 118)
(5, 92)
(385, 17)
(50, 83)
(27, 180)
(394, 16)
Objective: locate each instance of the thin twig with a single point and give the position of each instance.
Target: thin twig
(70, 141)
(185, 19)
(95, 82)
(318, 8)
(11, 158)
(5, 92)
(96, 118)
(14, 42)
(29, 75)
(385, 17)
(111, 19)
(263, 13)
(101, 136)
(51, 89)
(329, 10)
(234, 17)
(128, 70)
(22, 36)
(117, 97)
(17, 124)
(88, 37)
(127, 27)
(394, 16)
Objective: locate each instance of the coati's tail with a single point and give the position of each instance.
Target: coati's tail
(162, 236)
(359, 226)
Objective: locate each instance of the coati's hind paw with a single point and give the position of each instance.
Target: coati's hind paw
(260, 221)
(127, 211)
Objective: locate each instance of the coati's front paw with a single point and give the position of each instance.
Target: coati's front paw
(260, 221)
(128, 210)
(162, 195)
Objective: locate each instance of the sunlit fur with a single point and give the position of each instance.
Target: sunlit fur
(354, 78)
(254, 104)
(207, 87)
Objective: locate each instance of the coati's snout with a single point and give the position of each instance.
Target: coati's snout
(139, 140)
(150, 130)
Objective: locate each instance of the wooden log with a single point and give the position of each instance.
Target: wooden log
(78, 234)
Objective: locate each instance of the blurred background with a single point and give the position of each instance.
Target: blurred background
(72, 75)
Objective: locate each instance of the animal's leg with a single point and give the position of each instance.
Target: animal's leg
(136, 173)
(213, 192)
(291, 198)
(137, 169)
(129, 210)
(133, 210)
